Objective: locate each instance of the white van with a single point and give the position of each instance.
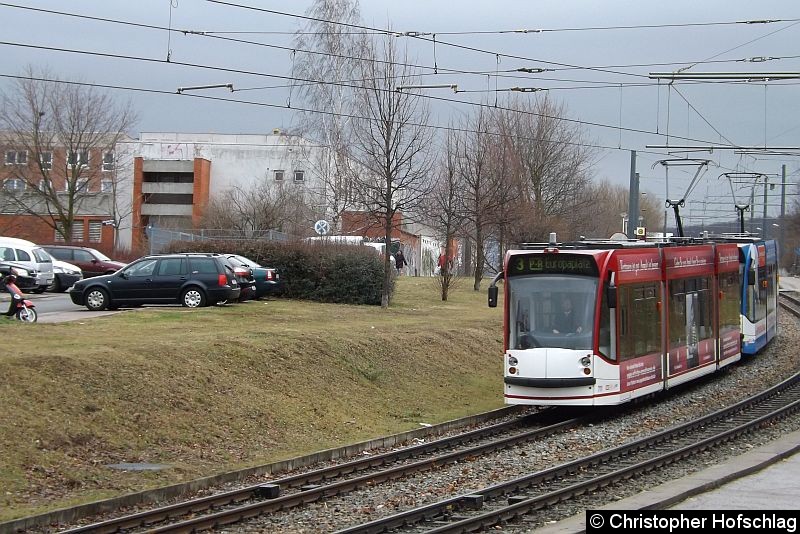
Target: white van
(32, 256)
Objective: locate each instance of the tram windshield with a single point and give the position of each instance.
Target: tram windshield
(551, 311)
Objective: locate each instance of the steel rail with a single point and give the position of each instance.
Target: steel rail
(445, 510)
(235, 498)
(248, 511)
(790, 304)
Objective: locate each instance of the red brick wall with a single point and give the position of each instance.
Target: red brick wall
(137, 236)
(31, 171)
(34, 229)
(361, 223)
(202, 183)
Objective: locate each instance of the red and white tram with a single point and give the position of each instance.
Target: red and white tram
(601, 323)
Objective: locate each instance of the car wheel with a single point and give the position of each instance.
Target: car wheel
(96, 299)
(55, 287)
(193, 297)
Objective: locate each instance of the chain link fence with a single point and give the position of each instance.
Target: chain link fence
(160, 238)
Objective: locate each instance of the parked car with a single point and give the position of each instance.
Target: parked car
(65, 274)
(25, 280)
(244, 275)
(267, 280)
(193, 280)
(30, 255)
(91, 262)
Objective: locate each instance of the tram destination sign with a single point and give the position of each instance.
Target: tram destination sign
(560, 263)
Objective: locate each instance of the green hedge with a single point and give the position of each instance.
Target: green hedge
(311, 271)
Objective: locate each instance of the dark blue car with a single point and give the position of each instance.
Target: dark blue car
(267, 280)
(192, 280)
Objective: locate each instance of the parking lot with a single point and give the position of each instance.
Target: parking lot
(57, 308)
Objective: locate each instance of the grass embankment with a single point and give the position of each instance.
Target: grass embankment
(211, 390)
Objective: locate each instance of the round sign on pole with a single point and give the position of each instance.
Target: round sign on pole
(322, 227)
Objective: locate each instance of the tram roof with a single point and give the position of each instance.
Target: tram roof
(649, 242)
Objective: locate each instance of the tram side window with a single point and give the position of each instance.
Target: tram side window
(771, 285)
(690, 311)
(729, 305)
(756, 297)
(605, 327)
(640, 321)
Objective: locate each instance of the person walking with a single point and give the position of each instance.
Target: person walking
(400, 261)
(442, 263)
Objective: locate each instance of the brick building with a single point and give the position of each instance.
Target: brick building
(34, 185)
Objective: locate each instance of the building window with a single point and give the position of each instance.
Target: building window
(106, 186)
(278, 176)
(77, 231)
(108, 161)
(46, 185)
(82, 185)
(16, 157)
(95, 231)
(46, 160)
(299, 176)
(80, 158)
(14, 184)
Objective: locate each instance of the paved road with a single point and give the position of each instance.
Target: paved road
(56, 308)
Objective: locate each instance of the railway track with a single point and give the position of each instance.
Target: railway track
(298, 490)
(242, 504)
(508, 501)
(790, 302)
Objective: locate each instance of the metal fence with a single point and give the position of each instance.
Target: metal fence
(160, 238)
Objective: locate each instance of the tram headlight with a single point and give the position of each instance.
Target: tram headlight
(586, 361)
(512, 361)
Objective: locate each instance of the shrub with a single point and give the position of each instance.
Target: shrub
(317, 271)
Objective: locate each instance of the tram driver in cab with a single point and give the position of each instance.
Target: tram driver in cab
(566, 321)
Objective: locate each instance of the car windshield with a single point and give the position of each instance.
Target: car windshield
(246, 261)
(42, 256)
(551, 311)
(234, 261)
(100, 256)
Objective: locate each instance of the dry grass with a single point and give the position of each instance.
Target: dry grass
(211, 390)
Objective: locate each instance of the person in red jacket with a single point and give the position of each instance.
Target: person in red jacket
(14, 291)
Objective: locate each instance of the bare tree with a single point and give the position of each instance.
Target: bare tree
(553, 161)
(792, 238)
(61, 126)
(509, 206)
(443, 209)
(391, 142)
(483, 185)
(333, 66)
(120, 186)
(253, 212)
(603, 214)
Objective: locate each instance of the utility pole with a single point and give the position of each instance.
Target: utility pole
(633, 198)
(764, 218)
(783, 212)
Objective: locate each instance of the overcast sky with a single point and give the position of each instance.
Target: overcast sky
(679, 34)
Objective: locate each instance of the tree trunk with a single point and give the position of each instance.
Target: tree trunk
(479, 259)
(387, 262)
